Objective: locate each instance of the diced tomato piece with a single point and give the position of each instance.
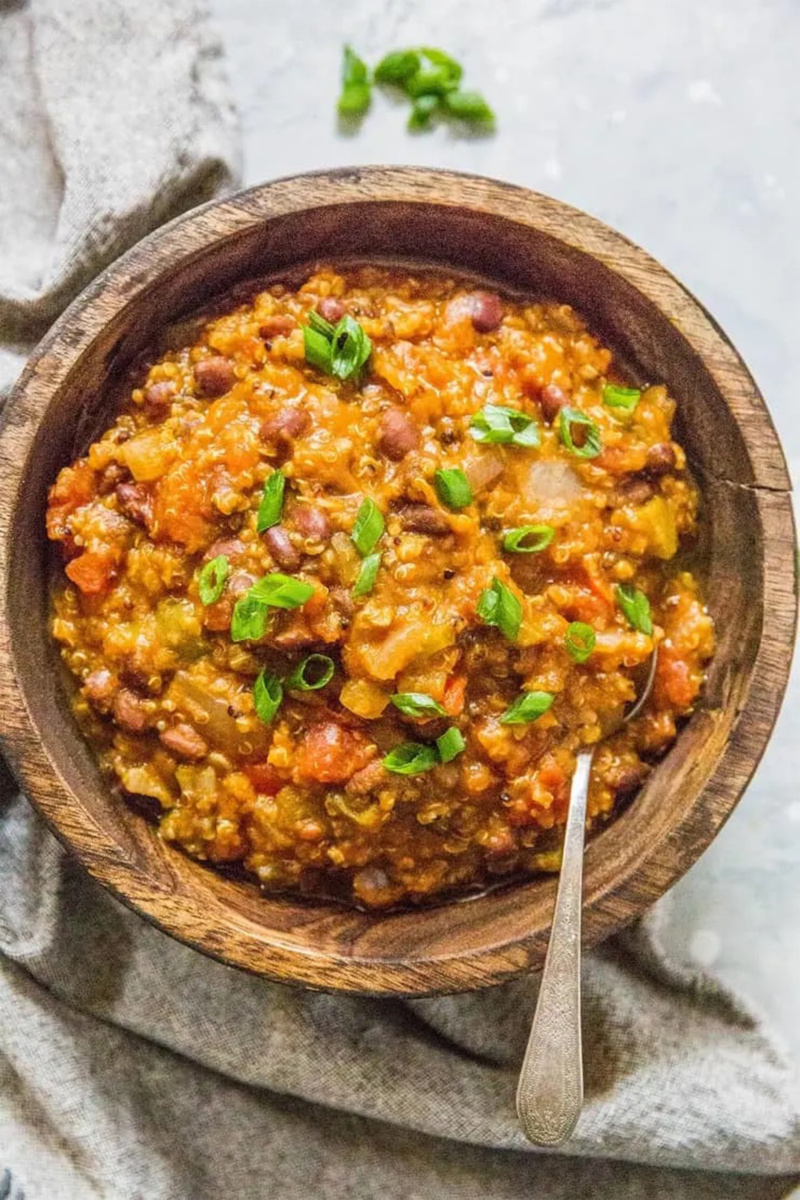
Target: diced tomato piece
(454, 691)
(674, 687)
(74, 487)
(331, 754)
(553, 778)
(264, 778)
(92, 572)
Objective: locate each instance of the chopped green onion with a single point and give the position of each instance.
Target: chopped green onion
(450, 744)
(526, 708)
(528, 539)
(497, 425)
(368, 528)
(580, 640)
(397, 66)
(592, 444)
(423, 111)
(211, 580)
(367, 575)
(499, 606)
(635, 606)
(350, 348)
(267, 695)
(355, 96)
(452, 487)
(469, 106)
(311, 674)
(437, 73)
(249, 621)
(340, 350)
(271, 506)
(621, 397)
(281, 591)
(411, 758)
(417, 704)
(317, 349)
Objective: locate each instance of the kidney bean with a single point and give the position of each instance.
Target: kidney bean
(230, 547)
(660, 459)
(276, 326)
(285, 425)
(331, 309)
(484, 309)
(421, 518)
(280, 547)
(636, 491)
(215, 376)
(398, 435)
(312, 522)
(158, 397)
(552, 399)
(130, 712)
(100, 686)
(185, 741)
(136, 501)
(112, 475)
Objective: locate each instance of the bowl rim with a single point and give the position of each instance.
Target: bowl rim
(192, 235)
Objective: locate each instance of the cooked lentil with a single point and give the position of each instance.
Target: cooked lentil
(305, 802)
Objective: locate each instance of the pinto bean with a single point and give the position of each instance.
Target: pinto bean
(230, 547)
(365, 780)
(100, 686)
(129, 711)
(552, 400)
(373, 887)
(629, 778)
(135, 500)
(112, 475)
(280, 547)
(215, 376)
(312, 522)
(278, 325)
(158, 397)
(421, 518)
(398, 435)
(660, 459)
(331, 309)
(484, 309)
(185, 741)
(287, 424)
(636, 490)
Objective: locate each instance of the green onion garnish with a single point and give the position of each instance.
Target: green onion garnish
(528, 539)
(423, 111)
(317, 349)
(281, 591)
(527, 707)
(411, 758)
(267, 695)
(468, 106)
(450, 744)
(340, 350)
(621, 397)
(397, 66)
(573, 418)
(318, 323)
(437, 73)
(271, 506)
(368, 527)
(635, 606)
(355, 96)
(211, 580)
(452, 488)
(311, 674)
(249, 621)
(497, 425)
(417, 704)
(367, 575)
(579, 640)
(499, 606)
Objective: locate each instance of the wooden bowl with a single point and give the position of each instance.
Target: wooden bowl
(518, 239)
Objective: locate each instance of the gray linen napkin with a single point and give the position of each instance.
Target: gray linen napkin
(130, 1066)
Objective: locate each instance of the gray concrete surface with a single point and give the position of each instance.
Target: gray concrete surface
(679, 124)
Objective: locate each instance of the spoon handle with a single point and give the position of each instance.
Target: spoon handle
(550, 1091)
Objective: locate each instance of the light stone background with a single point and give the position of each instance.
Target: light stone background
(679, 124)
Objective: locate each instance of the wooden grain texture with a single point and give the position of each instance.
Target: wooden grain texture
(521, 241)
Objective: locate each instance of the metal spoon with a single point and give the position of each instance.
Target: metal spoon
(550, 1090)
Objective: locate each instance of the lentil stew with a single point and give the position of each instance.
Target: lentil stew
(358, 569)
